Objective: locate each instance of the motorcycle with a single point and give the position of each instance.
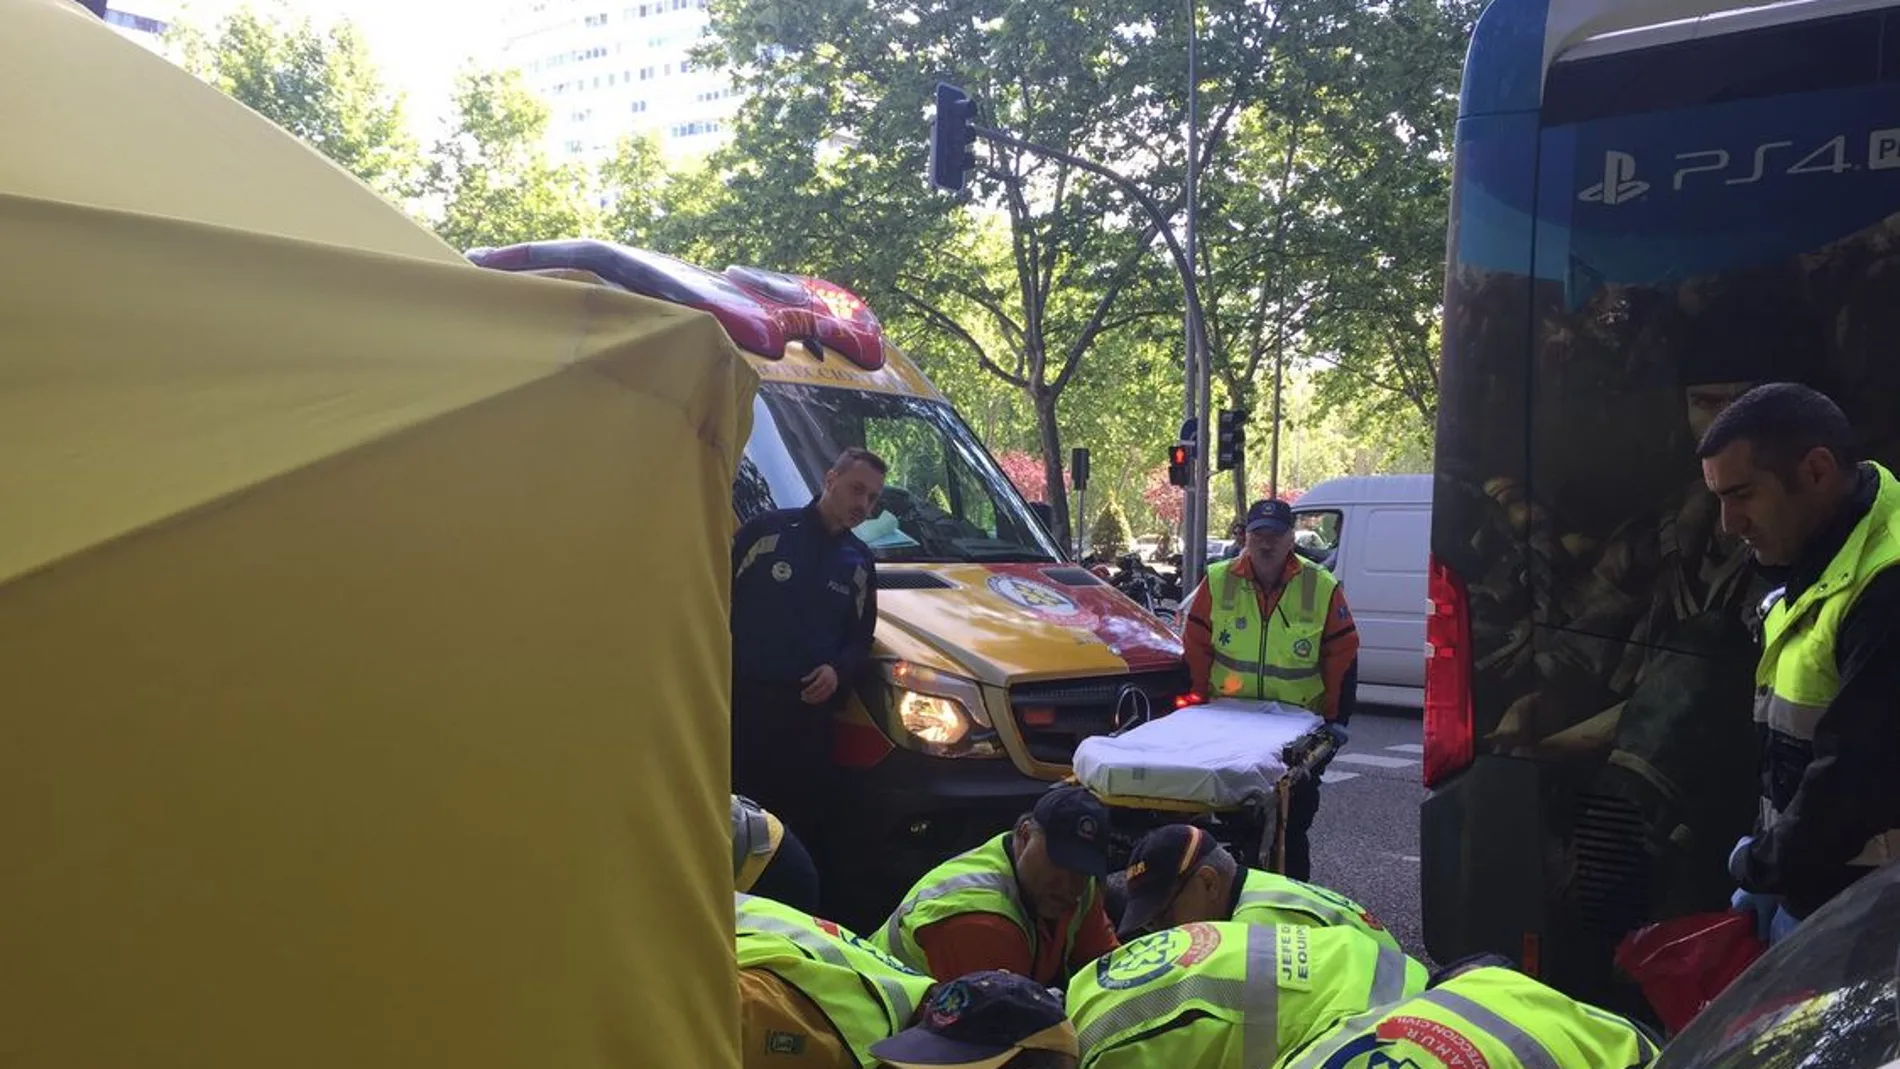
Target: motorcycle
(1152, 590)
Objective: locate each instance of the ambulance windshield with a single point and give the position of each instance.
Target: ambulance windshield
(944, 499)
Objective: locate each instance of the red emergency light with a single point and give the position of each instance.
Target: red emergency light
(761, 310)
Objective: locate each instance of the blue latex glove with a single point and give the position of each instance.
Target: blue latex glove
(1736, 855)
(1338, 734)
(1782, 926)
(1764, 907)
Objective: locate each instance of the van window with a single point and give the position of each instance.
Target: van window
(944, 498)
(1317, 532)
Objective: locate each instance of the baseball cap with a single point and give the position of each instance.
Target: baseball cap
(1075, 826)
(1270, 515)
(981, 1021)
(1162, 859)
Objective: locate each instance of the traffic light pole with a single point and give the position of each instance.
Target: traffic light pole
(1194, 554)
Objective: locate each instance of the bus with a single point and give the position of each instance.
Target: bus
(1656, 205)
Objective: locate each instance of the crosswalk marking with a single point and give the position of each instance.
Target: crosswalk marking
(1373, 760)
(1407, 747)
(1341, 777)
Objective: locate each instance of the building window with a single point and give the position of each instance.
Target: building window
(596, 20)
(135, 22)
(639, 107)
(646, 74)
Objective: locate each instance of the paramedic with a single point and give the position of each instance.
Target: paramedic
(811, 994)
(1227, 995)
(1482, 1014)
(1028, 901)
(1267, 626)
(1179, 874)
(804, 605)
(768, 860)
(1828, 532)
(988, 1020)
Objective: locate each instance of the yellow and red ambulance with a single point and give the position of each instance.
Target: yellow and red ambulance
(996, 654)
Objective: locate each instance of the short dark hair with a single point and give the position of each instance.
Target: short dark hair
(860, 455)
(1783, 421)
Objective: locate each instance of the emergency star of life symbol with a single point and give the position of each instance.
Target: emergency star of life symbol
(1032, 595)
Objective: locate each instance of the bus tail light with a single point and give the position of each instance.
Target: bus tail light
(1448, 728)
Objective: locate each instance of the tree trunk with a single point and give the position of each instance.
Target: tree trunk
(1051, 437)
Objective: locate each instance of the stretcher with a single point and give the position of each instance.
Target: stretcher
(1227, 765)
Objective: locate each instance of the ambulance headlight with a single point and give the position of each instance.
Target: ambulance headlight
(937, 721)
(938, 714)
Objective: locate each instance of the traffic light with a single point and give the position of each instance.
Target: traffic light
(952, 138)
(1180, 472)
(1231, 441)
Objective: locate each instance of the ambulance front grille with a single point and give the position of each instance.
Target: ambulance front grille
(1055, 717)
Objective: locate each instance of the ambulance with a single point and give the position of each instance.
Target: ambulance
(995, 654)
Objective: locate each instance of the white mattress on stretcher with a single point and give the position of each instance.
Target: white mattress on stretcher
(1223, 755)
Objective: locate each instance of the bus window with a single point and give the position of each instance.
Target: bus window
(1672, 219)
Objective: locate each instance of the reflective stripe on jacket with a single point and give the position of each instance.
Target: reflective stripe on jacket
(1798, 675)
(1498, 1018)
(866, 995)
(982, 880)
(1274, 658)
(1270, 898)
(1274, 987)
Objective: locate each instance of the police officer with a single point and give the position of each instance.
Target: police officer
(1481, 1016)
(804, 605)
(1179, 874)
(1227, 995)
(1825, 708)
(1268, 626)
(768, 860)
(1028, 901)
(811, 994)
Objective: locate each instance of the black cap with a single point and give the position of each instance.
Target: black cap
(1270, 515)
(981, 1021)
(1162, 859)
(1075, 826)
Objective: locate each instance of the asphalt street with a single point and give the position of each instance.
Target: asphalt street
(1365, 840)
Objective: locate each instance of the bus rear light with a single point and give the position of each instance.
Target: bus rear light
(1448, 719)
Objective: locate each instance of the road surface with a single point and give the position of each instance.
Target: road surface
(1365, 841)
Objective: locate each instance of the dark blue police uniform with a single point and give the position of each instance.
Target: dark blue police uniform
(801, 597)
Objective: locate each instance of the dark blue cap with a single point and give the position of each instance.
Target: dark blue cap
(1074, 826)
(1270, 515)
(981, 1021)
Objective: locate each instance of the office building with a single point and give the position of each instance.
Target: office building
(612, 68)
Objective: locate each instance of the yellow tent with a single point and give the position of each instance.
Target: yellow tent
(363, 650)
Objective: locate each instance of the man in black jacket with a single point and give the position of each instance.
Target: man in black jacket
(804, 605)
(1827, 703)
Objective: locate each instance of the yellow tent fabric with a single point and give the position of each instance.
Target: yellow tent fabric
(363, 651)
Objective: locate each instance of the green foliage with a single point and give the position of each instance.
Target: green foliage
(1111, 536)
(319, 85)
(491, 175)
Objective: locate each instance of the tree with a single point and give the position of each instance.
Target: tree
(1331, 198)
(1111, 535)
(1037, 274)
(321, 86)
(491, 174)
(1163, 498)
(1025, 471)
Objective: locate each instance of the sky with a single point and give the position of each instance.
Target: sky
(418, 44)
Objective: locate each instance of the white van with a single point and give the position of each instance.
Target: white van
(1374, 533)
